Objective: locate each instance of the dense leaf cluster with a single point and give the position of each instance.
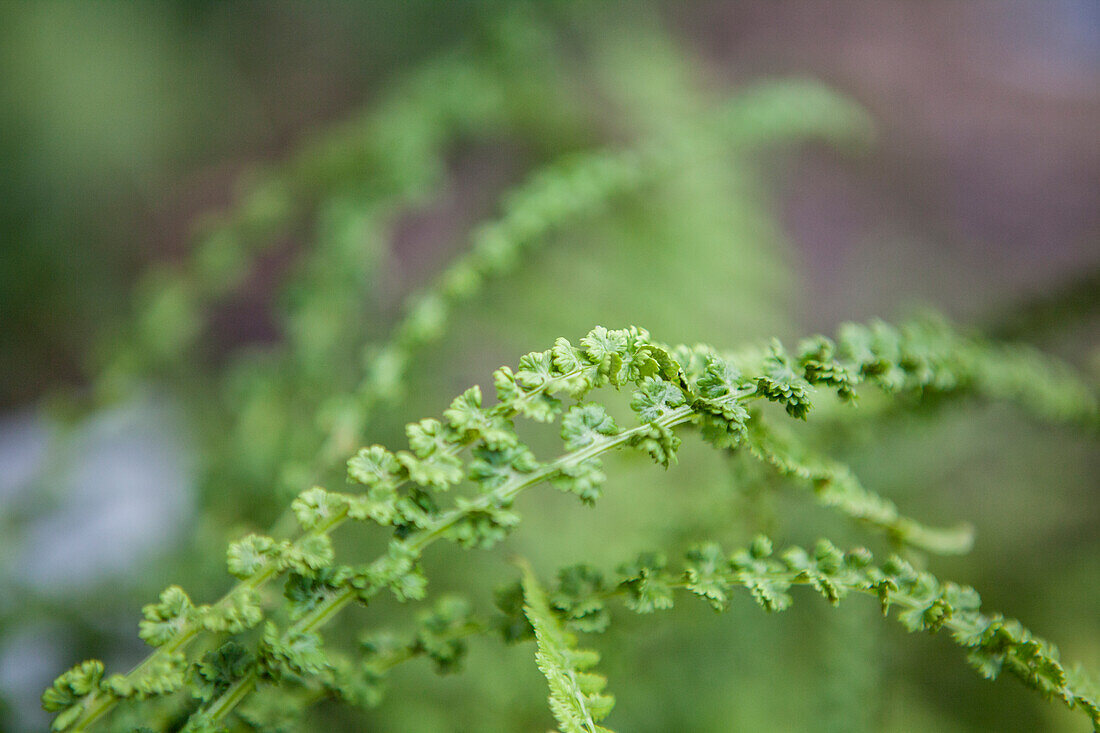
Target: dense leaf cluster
(460, 475)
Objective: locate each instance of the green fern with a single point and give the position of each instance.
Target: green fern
(404, 491)
(994, 644)
(577, 696)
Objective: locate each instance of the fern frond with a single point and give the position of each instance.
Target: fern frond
(994, 644)
(577, 698)
(921, 602)
(478, 444)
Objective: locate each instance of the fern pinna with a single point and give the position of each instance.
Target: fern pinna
(576, 694)
(213, 662)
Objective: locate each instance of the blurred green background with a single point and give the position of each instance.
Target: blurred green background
(289, 173)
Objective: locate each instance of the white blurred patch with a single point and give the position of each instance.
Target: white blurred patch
(116, 489)
(23, 443)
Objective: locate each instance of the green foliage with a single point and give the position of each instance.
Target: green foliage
(994, 644)
(70, 690)
(479, 443)
(577, 696)
(259, 659)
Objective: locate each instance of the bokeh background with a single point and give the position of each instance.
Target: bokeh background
(961, 174)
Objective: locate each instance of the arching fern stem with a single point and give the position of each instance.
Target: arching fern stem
(708, 390)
